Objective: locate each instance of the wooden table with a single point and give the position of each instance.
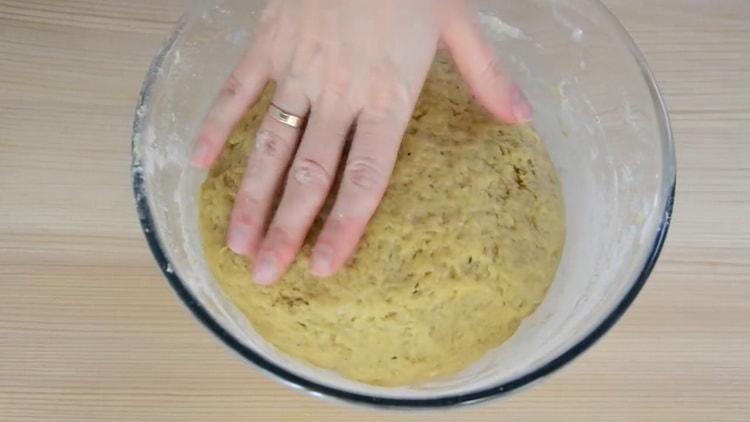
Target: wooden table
(89, 329)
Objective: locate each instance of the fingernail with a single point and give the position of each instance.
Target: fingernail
(265, 269)
(238, 239)
(320, 264)
(520, 106)
(200, 155)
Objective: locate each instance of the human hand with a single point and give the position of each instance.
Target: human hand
(341, 63)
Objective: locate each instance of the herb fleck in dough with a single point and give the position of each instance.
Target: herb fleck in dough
(463, 246)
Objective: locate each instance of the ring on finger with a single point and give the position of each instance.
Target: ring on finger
(285, 117)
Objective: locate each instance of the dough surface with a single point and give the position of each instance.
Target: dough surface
(463, 246)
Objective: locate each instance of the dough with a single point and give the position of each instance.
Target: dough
(463, 246)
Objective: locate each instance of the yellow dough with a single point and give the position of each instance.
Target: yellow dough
(463, 246)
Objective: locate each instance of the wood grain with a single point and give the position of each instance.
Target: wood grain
(89, 330)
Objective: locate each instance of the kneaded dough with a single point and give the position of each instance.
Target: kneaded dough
(463, 246)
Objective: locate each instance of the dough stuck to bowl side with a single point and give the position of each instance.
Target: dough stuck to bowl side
(463, 246)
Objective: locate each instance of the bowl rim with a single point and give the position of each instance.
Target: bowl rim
(320, 390)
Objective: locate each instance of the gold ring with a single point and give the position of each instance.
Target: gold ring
(285, 117)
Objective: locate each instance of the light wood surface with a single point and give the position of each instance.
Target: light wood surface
(89, 329)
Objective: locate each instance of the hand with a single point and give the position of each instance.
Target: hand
(339, 62)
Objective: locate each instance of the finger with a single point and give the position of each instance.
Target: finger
(240, 91)
(310, 178)
(368, 168)
(482, 70)
(275, 144)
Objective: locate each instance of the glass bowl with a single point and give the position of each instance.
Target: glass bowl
(598, 110)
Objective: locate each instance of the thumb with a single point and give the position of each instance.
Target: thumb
(482, 70)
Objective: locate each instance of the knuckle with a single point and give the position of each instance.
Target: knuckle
(209, 138)
(492, 72)
(307, 53)
(364, 173)
(244, 211)
(233, 86)
(388, 99)
(291, 84)
(279, 239)
(245, 202)
(291, 94)
(339, 82)
(334, 110)
(270, 144)
(310, 172)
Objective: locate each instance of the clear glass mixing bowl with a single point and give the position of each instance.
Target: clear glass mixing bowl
(598, 111)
